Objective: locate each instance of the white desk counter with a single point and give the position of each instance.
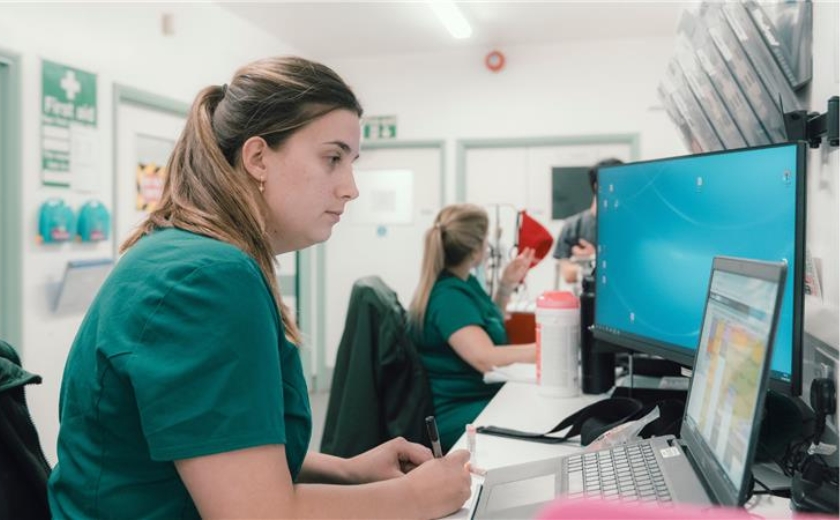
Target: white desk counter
(522, 407)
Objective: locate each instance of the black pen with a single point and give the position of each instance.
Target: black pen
(431, 427)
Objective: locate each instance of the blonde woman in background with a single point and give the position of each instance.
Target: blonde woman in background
(458, 329)
(183, 395)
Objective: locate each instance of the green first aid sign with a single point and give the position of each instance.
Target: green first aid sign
(69, 94)
(68, 116)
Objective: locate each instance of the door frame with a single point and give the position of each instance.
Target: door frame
(11, 200)
(124, 94)
(464, 145)
(316, 288)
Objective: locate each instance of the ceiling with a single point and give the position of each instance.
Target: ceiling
(325, 30)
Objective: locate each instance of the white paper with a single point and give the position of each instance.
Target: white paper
(385, 198)
(518, 372)
(84, 143)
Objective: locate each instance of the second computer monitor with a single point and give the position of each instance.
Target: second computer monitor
(661, 222)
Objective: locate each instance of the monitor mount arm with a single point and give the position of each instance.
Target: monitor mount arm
(812, 126)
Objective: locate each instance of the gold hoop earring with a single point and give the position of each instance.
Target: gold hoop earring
(262, 185)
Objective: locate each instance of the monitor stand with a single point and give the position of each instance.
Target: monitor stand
(649, 395)
(643, 365)
(651, 380)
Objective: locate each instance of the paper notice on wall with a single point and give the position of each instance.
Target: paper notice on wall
(813, 280)
(385, 197)
(84, 143)
(150, 175)
(68, 126)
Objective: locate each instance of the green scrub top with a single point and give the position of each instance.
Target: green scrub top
(182, 354)
(458, 390)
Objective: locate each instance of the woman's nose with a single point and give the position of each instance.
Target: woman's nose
(349, 190)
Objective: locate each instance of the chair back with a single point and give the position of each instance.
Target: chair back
(379, 389)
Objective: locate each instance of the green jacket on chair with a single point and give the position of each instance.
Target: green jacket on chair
(379, 388)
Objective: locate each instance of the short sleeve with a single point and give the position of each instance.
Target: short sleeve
(452, 309)
(206, 370)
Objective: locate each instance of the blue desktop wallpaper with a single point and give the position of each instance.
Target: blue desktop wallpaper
(660, 223)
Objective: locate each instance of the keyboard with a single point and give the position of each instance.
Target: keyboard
(627, 473)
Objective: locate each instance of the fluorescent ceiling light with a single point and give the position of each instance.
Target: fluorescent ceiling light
(452, 18)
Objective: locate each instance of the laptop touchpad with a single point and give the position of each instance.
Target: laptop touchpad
(522, 492)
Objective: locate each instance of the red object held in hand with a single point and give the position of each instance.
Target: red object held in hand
(534, 235)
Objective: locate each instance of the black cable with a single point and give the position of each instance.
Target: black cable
(781, 493)
(752, 493)
(794, 456)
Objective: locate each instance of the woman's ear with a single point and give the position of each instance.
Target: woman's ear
(253, 157)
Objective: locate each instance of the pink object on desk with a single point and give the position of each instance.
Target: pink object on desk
(595, 509)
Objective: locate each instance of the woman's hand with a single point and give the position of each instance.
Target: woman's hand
(443, 484)
(389, 460)
(584, 249)
(517, 268)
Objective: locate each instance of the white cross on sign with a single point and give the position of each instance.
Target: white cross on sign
(69, 85)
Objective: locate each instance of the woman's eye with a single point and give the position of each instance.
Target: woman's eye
(335, 159)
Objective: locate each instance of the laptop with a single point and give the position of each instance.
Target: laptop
(710, 462)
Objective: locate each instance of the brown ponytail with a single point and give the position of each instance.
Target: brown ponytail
(207, 190)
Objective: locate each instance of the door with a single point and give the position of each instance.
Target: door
(381, 233)
(145, 137)
(508, 177)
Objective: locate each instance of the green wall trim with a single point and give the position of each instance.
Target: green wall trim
(323, 376)
(304, 317)
(135, 96)
(323, 379)
(409, 145)
(401, 145)
(288, 282)
(463, 145)
(11, 201)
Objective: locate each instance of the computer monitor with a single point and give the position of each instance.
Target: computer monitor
(661, 222)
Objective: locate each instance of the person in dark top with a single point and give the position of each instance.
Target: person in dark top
(578, 237)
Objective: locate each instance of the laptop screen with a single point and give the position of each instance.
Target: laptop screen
(730, 369)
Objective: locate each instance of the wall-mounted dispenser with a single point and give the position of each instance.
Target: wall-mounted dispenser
(94, 223)
(56, 222)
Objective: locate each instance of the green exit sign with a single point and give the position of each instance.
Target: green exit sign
(379, 127)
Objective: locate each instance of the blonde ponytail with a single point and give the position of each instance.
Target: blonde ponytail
(459, 231)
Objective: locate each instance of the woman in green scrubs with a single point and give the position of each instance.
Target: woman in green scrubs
(458, 329)
(183, 394)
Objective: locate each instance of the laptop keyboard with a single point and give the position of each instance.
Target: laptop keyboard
(628, 473)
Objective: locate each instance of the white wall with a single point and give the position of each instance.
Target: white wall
(606, 87)
(823, 221)
(122, 43)
(590, 88)
(602, 87)
(558, 90)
